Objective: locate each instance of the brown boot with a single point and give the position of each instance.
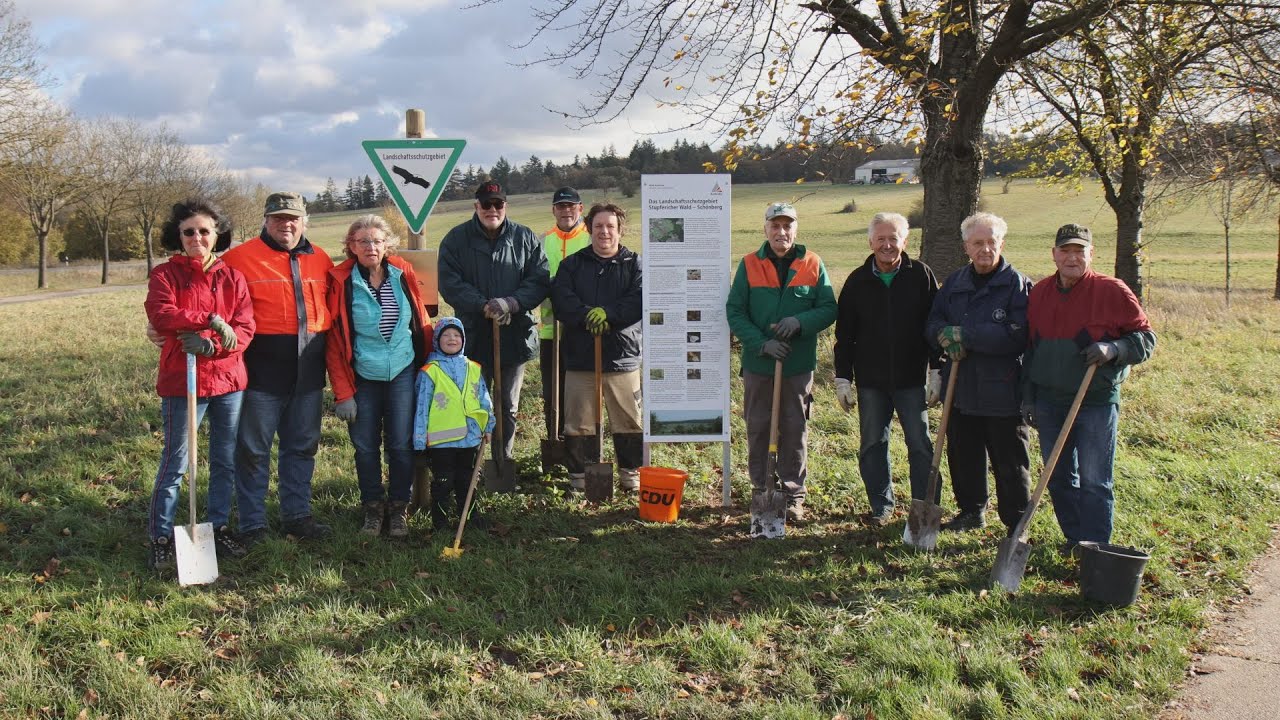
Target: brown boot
(373, 518)
(398, 519)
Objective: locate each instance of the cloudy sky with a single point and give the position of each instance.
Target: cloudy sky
(283, 91)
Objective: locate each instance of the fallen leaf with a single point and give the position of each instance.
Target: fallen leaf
(4, 528)
(592, 702)
(104, 643)
(535, 675)
(51, 566)
(83, 714)
(26, 498)
(90, 696)
(682, 693)
(39, 617)
(422, 574)
(611, 627)
(66, 532)
(1071, 693)
(379, 697)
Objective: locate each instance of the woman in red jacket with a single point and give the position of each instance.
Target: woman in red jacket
(200, 306)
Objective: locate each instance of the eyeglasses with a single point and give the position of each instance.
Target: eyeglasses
(369, 242)
(191, 232)
(493, 204)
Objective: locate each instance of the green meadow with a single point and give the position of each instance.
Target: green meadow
(567, 610)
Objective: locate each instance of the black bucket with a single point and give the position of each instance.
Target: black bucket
(1111, 574)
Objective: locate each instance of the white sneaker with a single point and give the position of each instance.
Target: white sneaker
(578, 481)
(629, 479)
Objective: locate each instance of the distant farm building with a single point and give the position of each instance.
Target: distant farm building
(874, 172)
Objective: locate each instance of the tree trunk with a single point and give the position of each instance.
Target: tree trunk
(106, 251)
(1226, 237)
(1129, 207)
(1276, 295)
(42, 244)
(146, 240)
(951, 172)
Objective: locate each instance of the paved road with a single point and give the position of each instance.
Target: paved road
(14, 299)
(1238, 677)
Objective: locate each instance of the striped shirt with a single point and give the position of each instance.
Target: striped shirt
(386, 296)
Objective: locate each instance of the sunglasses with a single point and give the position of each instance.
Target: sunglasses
(191, 232)
(493, 204)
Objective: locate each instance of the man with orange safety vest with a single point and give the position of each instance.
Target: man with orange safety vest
(287, 278)
(781, 298)
(566, 237)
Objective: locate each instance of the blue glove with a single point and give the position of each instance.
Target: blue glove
(346, 410)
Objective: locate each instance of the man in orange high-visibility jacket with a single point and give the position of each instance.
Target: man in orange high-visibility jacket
(566, 237)
(781, 298)
(287, 278)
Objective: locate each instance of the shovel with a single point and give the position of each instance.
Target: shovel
(769, 508)
(925, 518)
(1011, 558)
(455, 551)
(499, 475)
(599, 480)
(197, 556)
(553, 452)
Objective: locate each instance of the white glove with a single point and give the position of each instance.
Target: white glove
(933, 388)
(845, 394)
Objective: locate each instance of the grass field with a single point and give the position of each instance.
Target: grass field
(572, 611)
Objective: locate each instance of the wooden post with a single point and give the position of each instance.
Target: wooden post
(415, 124)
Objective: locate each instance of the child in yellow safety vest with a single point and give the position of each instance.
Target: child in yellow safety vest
(453, 411)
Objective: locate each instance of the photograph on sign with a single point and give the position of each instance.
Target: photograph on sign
(415, 172)
(687, 264)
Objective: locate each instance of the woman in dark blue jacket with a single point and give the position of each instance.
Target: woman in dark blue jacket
(597, 293)
(979, 317)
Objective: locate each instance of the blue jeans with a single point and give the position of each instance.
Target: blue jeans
(295, 417)
(875, 411)
(1081, 484)
(224, 416)
(384, 408)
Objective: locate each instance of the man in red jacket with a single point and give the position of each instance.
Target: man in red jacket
(288, 279)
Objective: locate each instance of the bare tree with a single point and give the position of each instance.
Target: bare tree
(42, 171)
(927, 70)
(167, 170)
(20, 72)
(112, 157)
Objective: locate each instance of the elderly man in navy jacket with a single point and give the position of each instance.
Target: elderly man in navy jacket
(979, 318)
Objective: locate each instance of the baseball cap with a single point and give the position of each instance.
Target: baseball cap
(565, 195)
(285, 203)
(1072, 234)
(489, 191)
(781, 209)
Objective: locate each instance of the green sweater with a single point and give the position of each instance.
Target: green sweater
(757, 300)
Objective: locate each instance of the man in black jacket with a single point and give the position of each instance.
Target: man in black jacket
(492, 269)
(882, 359)
(597, 293)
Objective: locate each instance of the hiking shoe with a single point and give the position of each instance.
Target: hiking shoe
(967, 520)
(881, 518)
(307, 528)
(227, 544)
(795, 512)
(629, 479)
(160, 557)
(252, 538)
(372, 518)
(1070, 548)
(398, 519)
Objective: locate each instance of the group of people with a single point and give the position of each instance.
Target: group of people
(268, 319)
(1020, 352)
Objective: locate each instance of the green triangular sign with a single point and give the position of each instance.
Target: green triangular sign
(415, 172)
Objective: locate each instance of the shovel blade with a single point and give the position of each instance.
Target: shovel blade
(599, 482)
(197, 556)
(553, 453)
(499, 478)
(768, 515)
(923, 523)
(1011, 563)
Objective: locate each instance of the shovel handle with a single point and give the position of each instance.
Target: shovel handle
(935, 474)
(555, 380)
(191, 441)
(771, 460)
(499, 405)
(599, 352)
(471, 491)
(1020, 532)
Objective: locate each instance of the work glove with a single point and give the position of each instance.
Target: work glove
(786, 328)
(933, 387)
(776, 349)
(1100, 352)
(951, 340)
(196, 345)
(845, 394)
(225, 333)
(1029, 413)
(346, 410)
(597, 320)
(495, 308)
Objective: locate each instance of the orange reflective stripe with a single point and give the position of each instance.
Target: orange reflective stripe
(806, 270)
(760, 272)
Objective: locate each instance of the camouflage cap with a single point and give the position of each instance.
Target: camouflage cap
(285, 203)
